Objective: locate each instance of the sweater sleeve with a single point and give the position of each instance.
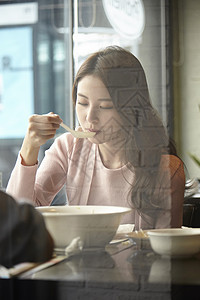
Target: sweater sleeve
(22, 180)
(40, 185)
(23, 235)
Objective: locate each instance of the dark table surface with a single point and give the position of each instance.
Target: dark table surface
(124, 271)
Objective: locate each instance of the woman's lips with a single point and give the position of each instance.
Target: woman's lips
(93, 130)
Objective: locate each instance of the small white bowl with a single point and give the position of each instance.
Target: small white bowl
(175, 242)
(94, 225)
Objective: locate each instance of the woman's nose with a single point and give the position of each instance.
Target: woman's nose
(92, 115)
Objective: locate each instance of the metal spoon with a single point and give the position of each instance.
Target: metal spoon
(78, 134)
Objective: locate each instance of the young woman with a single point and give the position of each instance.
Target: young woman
(129, 161)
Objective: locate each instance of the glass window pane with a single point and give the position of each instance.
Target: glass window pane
(35, 70)
(139, 26)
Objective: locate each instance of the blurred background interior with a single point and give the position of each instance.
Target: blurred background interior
(42, 44)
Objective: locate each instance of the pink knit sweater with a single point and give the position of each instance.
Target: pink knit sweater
(77, 165)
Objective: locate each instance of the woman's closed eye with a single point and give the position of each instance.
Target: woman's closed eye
(106, 107)
(82, 103)
(106, 104)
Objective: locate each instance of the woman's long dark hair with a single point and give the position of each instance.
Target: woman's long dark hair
(146, 137)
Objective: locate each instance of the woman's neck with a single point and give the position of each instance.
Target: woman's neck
(111, 158)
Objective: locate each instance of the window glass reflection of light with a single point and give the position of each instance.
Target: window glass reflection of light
(43, 53)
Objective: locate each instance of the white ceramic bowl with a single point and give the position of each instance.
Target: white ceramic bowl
(175, 242)
(95, 225)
